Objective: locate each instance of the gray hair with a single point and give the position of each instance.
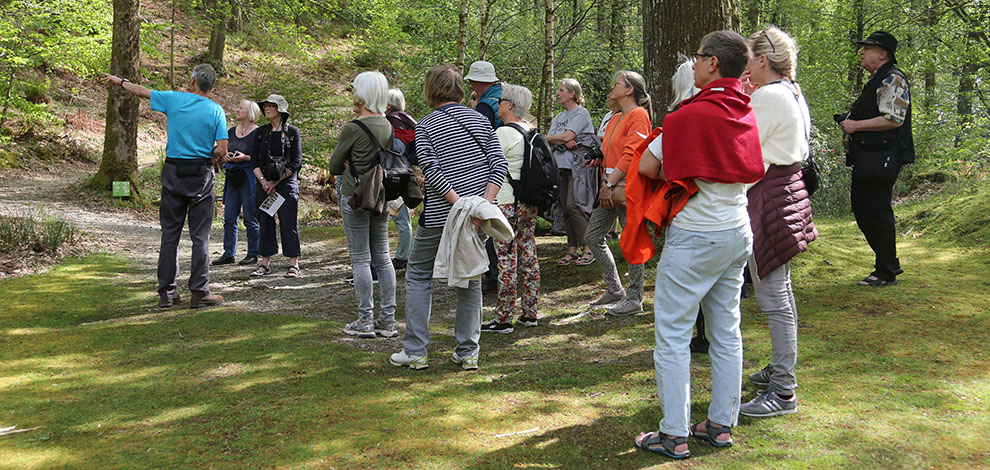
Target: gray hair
(371, 91)
(205, 77)
(683, 81)
(574, 86)
(779, 49)
(253, 111)
(520, 96)
(731, 49)
(396, 99)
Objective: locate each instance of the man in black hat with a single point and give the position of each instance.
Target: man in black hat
(879, 140)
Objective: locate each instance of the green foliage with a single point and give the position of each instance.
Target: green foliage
(37, 231)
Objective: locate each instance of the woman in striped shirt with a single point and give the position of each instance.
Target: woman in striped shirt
(460, 156)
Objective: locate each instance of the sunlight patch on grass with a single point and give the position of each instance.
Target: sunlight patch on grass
(27, 331)
(48, 458)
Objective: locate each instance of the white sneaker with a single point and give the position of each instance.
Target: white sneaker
(467, 363)
(624, 308)
(413, 362)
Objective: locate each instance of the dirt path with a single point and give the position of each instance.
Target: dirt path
(320, 293)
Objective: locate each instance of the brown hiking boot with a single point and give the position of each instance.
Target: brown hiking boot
(169, 301)
(200, 299)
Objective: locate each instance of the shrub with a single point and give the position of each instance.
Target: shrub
(37, 231)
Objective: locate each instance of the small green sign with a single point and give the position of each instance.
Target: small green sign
(121, 188)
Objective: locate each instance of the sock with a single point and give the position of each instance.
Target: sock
(782, 396)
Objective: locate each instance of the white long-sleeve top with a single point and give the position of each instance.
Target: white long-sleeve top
(783, 122)
(461, 256)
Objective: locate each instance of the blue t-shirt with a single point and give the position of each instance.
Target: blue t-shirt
(194, 123)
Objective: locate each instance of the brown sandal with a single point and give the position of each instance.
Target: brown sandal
(567, 259)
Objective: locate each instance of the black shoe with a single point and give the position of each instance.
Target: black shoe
(374, 277)
(523, 321)
(495, 327)
(699, 345)
(223, 260)
(248, 261)
(399, 263)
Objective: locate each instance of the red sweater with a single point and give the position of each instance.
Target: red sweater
(713, 136)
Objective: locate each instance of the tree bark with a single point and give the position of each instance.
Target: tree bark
(483, 37)
(616, 32)
(964, 99)
(219, 17)
(119, 162)
(753, 14)
(546, 78)
(856, 34)
(462, 35)
(6, 101)
(677, 26)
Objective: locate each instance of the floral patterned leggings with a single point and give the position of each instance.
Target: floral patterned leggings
(519, 254)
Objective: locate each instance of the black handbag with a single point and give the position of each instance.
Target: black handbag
(235, 177)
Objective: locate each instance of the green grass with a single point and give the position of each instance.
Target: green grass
(890, 378)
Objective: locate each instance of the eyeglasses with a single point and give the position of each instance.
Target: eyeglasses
(697, 56)
(773, 50)
(503, 100)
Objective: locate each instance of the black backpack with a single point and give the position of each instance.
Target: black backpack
(539, 178)
(396, 168)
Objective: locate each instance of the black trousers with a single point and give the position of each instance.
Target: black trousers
(870, 198)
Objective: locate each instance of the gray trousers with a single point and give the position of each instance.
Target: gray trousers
(182, 196)
(776, 300)
(601, 222)
(419, 299)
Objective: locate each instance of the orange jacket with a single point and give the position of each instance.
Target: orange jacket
(649, 199)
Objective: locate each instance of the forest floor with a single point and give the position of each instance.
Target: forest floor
(890, 378)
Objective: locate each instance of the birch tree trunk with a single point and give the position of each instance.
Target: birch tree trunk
(119, 162)
(462, 35)
(483, 37)
(546, 78)
(672, 26)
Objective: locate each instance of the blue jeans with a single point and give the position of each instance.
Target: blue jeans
(236, 198)
(403, 223)
(703, 268)
(367, 242)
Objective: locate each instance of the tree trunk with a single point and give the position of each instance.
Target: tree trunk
(546, 78)
(219, 17)
(462, 35)
(856, 34)
(753, 14)
(964, 99)
(929, 22)
(672, 26)
(6, 101)
(483, 37)
(616, 32)
(119, 161)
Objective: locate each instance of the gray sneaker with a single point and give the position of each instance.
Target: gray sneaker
(624, 308)
(608, 298)
(360, 329)
(386, 329)
(466, 363)
(763, 376)
(768, 404)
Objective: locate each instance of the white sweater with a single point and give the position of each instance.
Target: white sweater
(461, 256)
(779, 117)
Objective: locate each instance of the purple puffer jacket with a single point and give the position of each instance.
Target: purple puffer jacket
(780, 215)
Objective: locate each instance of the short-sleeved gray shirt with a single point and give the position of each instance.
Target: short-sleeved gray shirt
(576, 120)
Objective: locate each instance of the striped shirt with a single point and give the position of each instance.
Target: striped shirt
(453, 159)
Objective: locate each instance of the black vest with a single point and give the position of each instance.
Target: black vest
(866, 107)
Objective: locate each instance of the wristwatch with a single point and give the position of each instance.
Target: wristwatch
(608, 184)
(123, 81)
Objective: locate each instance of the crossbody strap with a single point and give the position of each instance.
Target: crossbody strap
(372, 137)
(475, 138)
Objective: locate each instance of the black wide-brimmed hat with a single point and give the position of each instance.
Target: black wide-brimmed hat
(882, 39)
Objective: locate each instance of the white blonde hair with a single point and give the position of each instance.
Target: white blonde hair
(253, 111)
(396, 99)
(779, 48)
(371, 91)
(683, 82)
(520, 96)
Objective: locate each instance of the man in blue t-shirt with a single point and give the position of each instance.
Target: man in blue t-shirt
(197, 137)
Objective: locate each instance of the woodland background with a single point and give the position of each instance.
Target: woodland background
(52, 53)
